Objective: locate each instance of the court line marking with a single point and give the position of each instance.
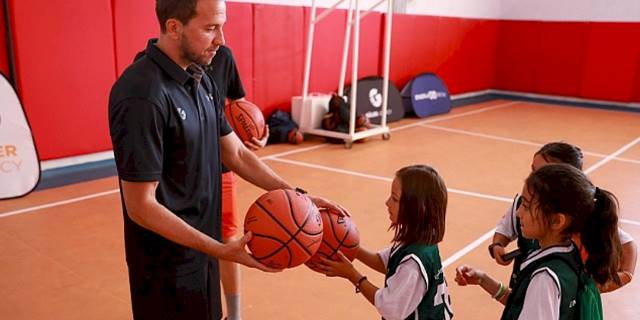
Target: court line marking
(518, 141)
(385, 179)
(450, 260)
(612, 156)
(58, 203)
(285, 153)
(407, 126)
(454, 116)
(470, 247)
(631, 222)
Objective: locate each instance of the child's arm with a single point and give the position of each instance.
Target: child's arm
(345, 269)
(466, 275)
(371, 259)
(497, 248)
(627, 267)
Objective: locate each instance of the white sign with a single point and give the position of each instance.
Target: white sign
(19, 165)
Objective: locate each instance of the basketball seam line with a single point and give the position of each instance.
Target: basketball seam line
(309, 209)
(252, 120)
(292, 236)
(283, 245)
(304, 223)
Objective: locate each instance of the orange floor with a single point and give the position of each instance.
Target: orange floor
(62, 249)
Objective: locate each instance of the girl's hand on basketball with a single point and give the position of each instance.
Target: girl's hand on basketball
(254, 144)
(332, 207)
(466, 275)
(340, 268)
(235, 251)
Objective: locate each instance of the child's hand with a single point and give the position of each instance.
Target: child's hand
(341, 268)
(466, 275)
(498, 252)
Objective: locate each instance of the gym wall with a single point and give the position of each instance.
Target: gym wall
(4, 64)
(69, 53)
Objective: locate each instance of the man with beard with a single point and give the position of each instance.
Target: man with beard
(169, 137)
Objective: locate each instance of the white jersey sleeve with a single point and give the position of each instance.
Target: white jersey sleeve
(405, 289)
(384, 255)
(542, 300)
(507, 224)
(624, 237)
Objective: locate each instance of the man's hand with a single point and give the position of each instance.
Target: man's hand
(235, 251)
(331, 206)
(254, 144)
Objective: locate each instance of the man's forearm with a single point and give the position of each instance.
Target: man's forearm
(153, 216)
(252, 169)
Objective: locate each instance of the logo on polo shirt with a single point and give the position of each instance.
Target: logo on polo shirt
(182, 113)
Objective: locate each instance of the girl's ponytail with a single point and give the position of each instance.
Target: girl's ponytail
(600, 238)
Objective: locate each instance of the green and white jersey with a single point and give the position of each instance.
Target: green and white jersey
(415, 287)
(546, 285)
(509, 226)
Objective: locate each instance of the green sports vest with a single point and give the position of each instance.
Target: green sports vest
(436, 303)
(563, 261)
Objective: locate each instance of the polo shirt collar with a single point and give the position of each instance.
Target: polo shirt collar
(173, 69)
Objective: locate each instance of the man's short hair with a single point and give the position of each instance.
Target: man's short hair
(181, 10)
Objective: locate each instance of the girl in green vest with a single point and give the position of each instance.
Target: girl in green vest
(558, 201)
(414, 286)
(508, 228)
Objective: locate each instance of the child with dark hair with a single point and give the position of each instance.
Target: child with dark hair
(558, 203)
(415, 287)
(508, 228)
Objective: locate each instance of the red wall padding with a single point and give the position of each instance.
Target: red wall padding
(328, 46)
(66, 69)
(327, 51)
(4, 63)
(465, 53)
(461, 51)
(593, 60)
(66, 65)
(612, 62)
(134, 23)
(278, 55)
(238, 33)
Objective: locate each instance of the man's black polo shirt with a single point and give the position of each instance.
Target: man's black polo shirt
(159, 133)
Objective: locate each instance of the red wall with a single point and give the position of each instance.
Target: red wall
(66, 69)
(593, 60)
(4, 67)
(65, 64)
(461, 51)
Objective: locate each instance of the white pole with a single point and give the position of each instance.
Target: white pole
(365, 13)
(387, 55)
(354, 71)
(345, 50)
(325, 13)
(307, 62)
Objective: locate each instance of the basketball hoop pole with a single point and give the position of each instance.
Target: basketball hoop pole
(345, 49)
(387, 54)
(354, 70)
(308, 110)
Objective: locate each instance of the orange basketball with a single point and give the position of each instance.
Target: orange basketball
(246, 119)
(339, 233)
(286, 226)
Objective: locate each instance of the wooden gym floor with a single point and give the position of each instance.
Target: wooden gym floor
(62, 254)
